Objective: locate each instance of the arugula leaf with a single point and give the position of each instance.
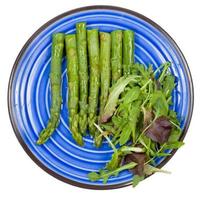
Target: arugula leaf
(104, 174)
(134, 117)
(109, 126)
(174, 136)
(115, 92)
(162, 154)
(129, 117)
(164, 71)
(149, 169)
(125, 134)
(128, 149)
(119, 121)
(159, 104)
(173, 116)
(150, 70)
(145, 73)
(174, 145)
(131, 95)
(141, 70)
(145, 141)
(117, 156)
(93, 176)
(114, 162)
(123, 110)
(168, 85)
(136, 179)
(134, 68)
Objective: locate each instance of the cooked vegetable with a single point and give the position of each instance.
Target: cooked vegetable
(116, 58)
(105, 71)
(94, 56)
(83, 75)
(128, 51)
(73, 85)
(55, 79)
(105, 49)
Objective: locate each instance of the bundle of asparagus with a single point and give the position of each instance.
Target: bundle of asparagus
(95, 61)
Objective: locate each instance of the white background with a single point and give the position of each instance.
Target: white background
(21, 178)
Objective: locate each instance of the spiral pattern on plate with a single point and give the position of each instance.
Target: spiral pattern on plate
(30, 98)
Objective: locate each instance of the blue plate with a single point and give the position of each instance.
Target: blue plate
(29, 96)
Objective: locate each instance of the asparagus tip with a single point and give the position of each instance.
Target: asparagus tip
(39, 141)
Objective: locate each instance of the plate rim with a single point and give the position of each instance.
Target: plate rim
(36, 33)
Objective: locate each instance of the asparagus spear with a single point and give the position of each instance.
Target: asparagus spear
(73, 84)
(83, 74)
(55, 78)
(116, 58)
(128, 51)
(105, 50)
(93, 51)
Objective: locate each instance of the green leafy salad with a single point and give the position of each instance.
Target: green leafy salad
(115, 99)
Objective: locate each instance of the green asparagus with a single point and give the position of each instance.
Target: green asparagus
(55, 78)
(105, 50)
(128, 51)
(93, 51)
(73, 84)
(83, 74)
(116, 58)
